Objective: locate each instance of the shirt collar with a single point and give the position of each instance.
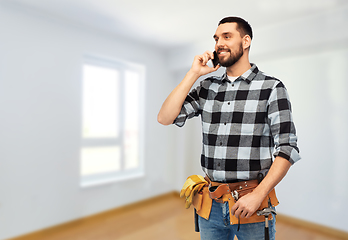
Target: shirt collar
(248, 76)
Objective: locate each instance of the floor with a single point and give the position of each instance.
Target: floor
(162, 218)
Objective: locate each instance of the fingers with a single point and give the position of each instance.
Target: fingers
(205, 57)
(247, 205)
(236, 210)
(244, 214)
(200, 64)
(217, 67)
(241, 211)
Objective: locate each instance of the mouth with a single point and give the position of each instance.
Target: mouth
(223, 51)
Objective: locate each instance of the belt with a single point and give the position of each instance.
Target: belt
(238, 189)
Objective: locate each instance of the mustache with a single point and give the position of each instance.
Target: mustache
(223, 50)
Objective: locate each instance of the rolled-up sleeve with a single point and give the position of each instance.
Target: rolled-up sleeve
(282, 126)
(190, 108)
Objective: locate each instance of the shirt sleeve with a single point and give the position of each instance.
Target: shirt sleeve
(190, 108)
(281, 124)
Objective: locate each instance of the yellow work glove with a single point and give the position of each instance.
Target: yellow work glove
(191, 181)
(193, 184)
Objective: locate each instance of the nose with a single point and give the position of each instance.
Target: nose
(219, 43)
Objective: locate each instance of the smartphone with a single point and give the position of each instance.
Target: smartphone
(215, 60)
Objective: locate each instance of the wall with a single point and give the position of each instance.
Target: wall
(318, 183)
(40, 102)
(310, 56)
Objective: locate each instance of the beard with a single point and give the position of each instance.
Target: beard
(234, 57)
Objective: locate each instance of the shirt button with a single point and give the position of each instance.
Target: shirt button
(228, 103)
(232, 85)
(225, 123)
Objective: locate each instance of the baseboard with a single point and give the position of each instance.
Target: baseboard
(100, 216)
(299, 223)
(96, 217)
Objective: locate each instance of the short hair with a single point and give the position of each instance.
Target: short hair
(243, 27)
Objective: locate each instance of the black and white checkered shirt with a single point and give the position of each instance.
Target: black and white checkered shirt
(244, 124)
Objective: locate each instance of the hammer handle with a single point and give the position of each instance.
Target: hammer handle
(266, 229)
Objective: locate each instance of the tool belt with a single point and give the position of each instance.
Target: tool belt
(230, 192)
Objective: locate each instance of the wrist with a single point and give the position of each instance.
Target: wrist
(193, 74)
(261, 191)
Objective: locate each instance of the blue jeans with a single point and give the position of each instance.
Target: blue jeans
(218, 226)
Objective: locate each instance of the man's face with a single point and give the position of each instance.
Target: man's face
(228, 45)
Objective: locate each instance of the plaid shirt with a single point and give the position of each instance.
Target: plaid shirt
(244, 124)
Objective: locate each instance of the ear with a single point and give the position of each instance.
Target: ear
(246, 41)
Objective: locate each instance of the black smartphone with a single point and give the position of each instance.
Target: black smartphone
(215, 60)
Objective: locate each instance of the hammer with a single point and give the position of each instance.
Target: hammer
(266, 212)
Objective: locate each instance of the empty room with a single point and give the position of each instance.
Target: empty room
(117, 124)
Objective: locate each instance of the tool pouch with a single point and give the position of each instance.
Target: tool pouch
(202, 203)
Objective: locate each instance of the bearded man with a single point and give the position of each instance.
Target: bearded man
(247, 129)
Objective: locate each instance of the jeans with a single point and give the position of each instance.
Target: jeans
(218, 226)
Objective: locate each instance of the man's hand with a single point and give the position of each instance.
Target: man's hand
(199, 65)
(247, 205)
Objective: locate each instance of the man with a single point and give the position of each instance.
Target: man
(246, 124)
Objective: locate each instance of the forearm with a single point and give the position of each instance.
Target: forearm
(172, 105)
(275, 174)
(248, 204)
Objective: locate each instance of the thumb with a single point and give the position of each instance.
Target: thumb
(213, 69)
(217, 67)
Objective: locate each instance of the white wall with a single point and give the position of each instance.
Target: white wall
(310, 55)
(40, 102)
(317, 84)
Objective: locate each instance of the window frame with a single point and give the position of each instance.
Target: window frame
(113, 176)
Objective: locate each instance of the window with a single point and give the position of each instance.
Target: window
(111, 136)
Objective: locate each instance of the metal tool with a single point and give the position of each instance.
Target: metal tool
(235, 195)
(196, 221)
(266, 212)
(261, 175)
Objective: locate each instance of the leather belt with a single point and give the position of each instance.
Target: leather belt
(237, 189)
